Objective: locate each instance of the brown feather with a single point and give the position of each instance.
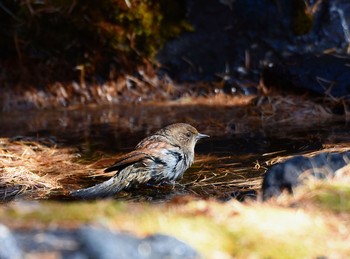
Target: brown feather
(148, 150)
(128, 159)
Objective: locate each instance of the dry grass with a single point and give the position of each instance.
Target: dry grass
(30, 167)
(220, 176)
(327, 148)
(295, 110)
(150, 89)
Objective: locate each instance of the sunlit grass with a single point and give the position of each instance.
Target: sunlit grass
(267, 232)
(216, 230)
(332, 196)
(31, 167)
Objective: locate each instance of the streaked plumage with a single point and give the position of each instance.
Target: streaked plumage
(163, 156)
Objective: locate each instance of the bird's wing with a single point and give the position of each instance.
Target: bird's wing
(150, 150)
(126, 160)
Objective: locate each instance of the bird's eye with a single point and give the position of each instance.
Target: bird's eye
(188, 134)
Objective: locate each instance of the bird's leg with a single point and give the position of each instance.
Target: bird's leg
(168, 183)
(163, 183)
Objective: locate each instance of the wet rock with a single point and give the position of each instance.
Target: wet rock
(290, 173)
(9, 248)
(284, 176)
(104, 244)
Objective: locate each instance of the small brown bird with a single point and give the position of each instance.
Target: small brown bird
(163, 156)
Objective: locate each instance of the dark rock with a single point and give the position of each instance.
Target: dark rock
(290, 173)
(284, 176)
(9, 248)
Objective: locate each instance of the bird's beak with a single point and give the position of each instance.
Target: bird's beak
(200, 135)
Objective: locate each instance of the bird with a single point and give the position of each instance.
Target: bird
(161, 157)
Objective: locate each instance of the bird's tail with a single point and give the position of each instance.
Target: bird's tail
(102, 190)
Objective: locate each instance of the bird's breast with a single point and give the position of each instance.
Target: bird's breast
(171, 163)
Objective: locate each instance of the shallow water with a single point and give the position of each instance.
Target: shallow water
(229, 164)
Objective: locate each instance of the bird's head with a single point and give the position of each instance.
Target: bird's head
(184, 135)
